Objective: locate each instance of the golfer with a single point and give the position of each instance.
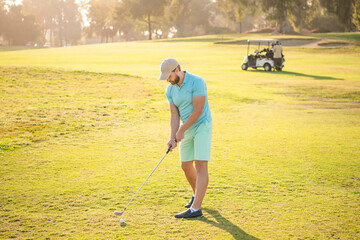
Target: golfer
(277, 54)
(187, 96)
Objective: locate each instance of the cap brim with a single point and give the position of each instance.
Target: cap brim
(164, 76)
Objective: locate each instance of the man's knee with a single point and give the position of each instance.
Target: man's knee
(187, 166)
(201, 166)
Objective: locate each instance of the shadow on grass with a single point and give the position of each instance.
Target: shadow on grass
(225, 224)
(316, 77)
(17, 48)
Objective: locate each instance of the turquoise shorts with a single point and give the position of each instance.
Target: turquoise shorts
(196, 144)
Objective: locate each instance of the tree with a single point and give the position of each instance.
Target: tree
(163, 23)
(235, 9)
(289, 13)
(68, 21)
(347, 11)
(45, 13)
(191, 17)
(304, 13)
(300, 14)
(71, 19)
(56, 18)
(19, 28)
(278, 11)
(144, 11)
(123, 22)
(179, 14)
(356, 15)
(101, 20)
(2, 16)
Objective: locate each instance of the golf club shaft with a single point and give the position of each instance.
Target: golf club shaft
(147, 178)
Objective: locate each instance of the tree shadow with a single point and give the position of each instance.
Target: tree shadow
(224, 224)
(316, 77)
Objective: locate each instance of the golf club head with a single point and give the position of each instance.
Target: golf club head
(118, 213)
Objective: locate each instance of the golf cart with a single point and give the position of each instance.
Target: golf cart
(263, 58)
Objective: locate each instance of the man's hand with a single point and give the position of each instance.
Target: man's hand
(180, 135)
(172, 143)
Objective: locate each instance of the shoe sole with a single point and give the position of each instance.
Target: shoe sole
(189, 217)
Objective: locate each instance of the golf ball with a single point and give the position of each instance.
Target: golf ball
(122, 221)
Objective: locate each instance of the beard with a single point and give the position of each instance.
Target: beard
(176, 81)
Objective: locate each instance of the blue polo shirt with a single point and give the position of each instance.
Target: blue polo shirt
(192, 86)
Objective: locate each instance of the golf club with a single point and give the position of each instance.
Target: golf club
(120, 213)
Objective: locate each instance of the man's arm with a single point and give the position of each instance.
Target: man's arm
(174, 124)
(198, 104)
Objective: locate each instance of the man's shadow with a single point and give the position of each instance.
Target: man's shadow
(224, 224)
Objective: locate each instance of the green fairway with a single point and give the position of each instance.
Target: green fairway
(82, 127)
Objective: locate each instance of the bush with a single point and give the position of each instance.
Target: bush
(328, 23)
(219, 30)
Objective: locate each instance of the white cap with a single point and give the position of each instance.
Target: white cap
(166, 67)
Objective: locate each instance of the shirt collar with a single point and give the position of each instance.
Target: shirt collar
(185, 78)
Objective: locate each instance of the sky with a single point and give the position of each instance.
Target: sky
(11, 2)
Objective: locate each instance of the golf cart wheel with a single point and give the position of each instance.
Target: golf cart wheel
(267, 67)
(244, 66)
(278, 69)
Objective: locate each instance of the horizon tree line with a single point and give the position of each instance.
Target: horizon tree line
(60, 21)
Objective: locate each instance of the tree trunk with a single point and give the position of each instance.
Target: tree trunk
(149, 22)
(52, 41)
(60, 32)
(65, 36)
(301, 21)
(348, 16)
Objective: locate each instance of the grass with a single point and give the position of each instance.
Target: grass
(82, 127)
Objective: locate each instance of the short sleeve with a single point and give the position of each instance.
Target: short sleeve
(168, 95)
(199, 88)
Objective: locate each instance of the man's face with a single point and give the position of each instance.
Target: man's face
(173, 78)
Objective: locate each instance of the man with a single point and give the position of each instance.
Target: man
(187, 96)
(277, 55)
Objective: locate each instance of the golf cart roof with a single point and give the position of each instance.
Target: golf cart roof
(262, 40)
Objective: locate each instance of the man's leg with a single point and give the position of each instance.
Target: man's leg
(198, 177)
(277, 62)
(202, 181)
(190, 173)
